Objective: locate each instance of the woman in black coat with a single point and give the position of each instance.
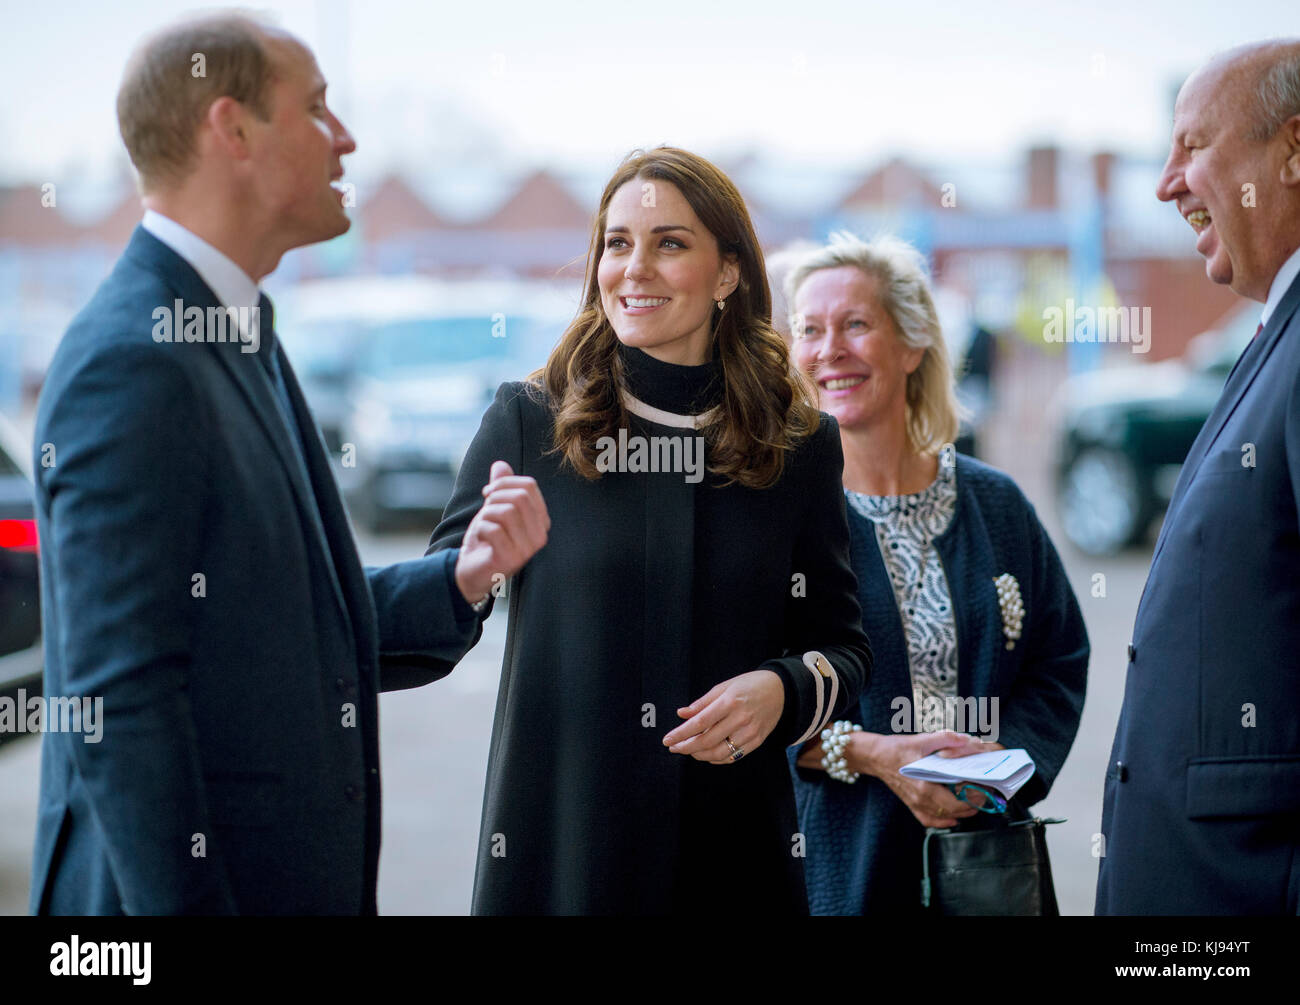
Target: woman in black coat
(681, 626)
(974, 626)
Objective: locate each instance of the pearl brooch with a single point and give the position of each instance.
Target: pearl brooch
(1013, 608)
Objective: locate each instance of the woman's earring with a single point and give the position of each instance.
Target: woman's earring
(722, 304)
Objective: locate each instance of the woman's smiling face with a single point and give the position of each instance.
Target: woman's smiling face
(660, 273)
(850, 347)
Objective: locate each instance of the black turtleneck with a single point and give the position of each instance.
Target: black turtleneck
(685, 390)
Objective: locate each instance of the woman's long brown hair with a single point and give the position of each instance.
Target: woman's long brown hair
(766, 404)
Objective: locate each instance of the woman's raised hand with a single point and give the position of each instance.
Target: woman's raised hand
(732, 720)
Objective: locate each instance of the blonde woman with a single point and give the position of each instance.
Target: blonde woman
(963, 595)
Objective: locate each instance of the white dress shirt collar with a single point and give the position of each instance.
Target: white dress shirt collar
(1281, 283)
(230, 283)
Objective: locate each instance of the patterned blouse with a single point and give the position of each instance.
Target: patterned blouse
(906, 527)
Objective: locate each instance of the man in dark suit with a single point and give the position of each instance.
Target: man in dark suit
(1202, 804)
(198, 572)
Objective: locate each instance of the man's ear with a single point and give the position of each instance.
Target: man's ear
(227, 120)
(1291, 166)
(730, 276)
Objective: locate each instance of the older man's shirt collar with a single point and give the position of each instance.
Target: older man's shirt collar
(1281, 283)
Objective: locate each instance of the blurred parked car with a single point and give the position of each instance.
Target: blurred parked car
(1127, 432)
(30, 330)
(20, 610)
(398, 372)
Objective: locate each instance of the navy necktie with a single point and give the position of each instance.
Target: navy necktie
(268, 353)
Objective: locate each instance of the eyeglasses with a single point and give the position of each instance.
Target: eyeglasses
(992, 799)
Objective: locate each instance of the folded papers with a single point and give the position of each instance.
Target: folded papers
(1003, 771)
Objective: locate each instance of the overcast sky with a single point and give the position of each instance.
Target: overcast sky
(576, 85)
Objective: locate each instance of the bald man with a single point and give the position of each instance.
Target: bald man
(1202, 806)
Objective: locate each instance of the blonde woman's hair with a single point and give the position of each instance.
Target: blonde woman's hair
(933, 413)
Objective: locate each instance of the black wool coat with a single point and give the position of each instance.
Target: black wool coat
(649, 591)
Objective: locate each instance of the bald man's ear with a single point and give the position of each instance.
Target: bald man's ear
(227, 120)
(1290, 132)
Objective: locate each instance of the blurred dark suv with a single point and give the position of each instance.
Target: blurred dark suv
(1127, 431)
(398, 371)
(20, 611)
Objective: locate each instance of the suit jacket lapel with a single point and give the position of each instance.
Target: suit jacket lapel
(246, 370)
(1239, 381)
(347, 575)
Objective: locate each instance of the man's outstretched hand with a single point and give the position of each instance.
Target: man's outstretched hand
(508, 530)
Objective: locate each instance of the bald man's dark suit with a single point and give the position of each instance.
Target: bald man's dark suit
(1202, 802)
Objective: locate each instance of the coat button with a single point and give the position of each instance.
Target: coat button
(1121, 771)
(352, 793)
(1132, 653)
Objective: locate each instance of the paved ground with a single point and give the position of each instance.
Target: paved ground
(434, 739)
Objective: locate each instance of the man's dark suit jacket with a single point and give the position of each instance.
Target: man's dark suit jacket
(238, 769)
(1202, 803)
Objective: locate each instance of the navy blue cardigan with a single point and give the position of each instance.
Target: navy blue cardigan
(863, 844)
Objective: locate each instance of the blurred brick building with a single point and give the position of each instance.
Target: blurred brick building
(1011, 236)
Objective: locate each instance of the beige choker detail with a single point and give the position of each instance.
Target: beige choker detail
(638, 407)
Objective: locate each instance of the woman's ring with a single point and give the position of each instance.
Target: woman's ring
(736, 752)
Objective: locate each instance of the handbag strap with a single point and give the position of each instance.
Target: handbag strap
(925, 863)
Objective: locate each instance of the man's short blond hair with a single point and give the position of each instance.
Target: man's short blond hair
(174, 76)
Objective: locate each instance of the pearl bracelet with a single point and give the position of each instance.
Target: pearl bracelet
(835, 740)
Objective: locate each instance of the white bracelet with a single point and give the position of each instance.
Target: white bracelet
(835, 741)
